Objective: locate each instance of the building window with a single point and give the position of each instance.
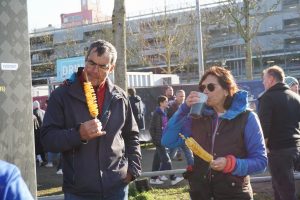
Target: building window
(291, 23)
(290, 4)
(35, 57)
(66, 20)
(292, 43)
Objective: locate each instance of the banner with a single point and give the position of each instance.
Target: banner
(65, 67)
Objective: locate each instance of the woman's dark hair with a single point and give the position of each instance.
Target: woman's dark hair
(161, 98)
(226, 81)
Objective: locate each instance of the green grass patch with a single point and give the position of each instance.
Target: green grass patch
(179, 193)
(50, 192)
(147, 145)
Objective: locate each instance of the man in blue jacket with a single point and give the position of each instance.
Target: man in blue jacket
(100, 155)
(12, 185)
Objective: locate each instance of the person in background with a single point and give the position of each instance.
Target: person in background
(173, 107)
(38, 116)
(161, 159)
(228, 131)
(279, 113)
(176, 103)
(138, 108)
(169, 93)
(101, 155)
(51, 157)
(12, 185)
(292, 83)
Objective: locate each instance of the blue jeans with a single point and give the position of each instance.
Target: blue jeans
(121, 194)
(173, 152)
(161, 161)
(282, 164)
(52, 156)
(187, 153)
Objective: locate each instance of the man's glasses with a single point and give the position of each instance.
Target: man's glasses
(93, 64)
(211, 87)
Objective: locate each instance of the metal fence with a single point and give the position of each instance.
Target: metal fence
(254, 179)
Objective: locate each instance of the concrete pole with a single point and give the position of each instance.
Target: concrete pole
(16, 126)
(199, 40)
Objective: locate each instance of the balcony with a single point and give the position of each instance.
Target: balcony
(42, 61)
(41, 47)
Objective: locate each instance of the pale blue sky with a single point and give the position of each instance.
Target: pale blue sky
(44, 12)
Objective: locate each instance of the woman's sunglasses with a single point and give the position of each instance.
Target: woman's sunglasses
(211, 87)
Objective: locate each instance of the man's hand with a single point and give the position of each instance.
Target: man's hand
(91, 129)
(128, 178)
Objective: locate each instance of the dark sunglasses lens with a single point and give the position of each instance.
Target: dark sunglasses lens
(202, 88)
(211, 87)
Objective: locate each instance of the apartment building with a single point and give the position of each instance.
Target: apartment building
(166, 42)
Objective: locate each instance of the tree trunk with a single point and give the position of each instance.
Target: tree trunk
(119, 38)
(248, 61)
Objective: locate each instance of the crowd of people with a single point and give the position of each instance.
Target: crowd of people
(100, 154)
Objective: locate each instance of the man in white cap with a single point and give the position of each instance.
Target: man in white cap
(292, 83)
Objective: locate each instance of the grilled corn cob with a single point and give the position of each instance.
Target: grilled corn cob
(196, 148)
(91, 98)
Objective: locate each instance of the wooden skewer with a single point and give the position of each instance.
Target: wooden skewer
(86, 77)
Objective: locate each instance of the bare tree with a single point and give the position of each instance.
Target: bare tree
(164, 40)
(247, 16)
(119, 38)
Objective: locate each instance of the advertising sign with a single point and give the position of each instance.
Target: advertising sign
(65, 67)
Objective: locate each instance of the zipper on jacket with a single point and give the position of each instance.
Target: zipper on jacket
(73, 164)
(215, 130)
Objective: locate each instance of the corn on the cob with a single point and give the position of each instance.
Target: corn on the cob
(91, 98)
(196, 148)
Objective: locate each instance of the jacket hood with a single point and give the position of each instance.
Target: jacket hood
(239, 105)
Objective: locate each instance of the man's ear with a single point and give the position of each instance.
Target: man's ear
(112, 68)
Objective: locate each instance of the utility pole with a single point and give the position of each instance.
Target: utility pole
(16, 122)
(199, 40)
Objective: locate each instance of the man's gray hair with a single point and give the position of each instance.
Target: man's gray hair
(276, 72)
(103, 47)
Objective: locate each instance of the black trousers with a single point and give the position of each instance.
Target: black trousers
(282, 164)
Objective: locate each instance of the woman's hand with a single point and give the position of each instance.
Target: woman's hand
(192, 98)
(218, 164)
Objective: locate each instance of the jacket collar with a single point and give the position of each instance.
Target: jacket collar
(278, 86)
(76, 90)
(239, 105)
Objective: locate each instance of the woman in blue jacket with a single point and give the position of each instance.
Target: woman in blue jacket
(228, 131)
